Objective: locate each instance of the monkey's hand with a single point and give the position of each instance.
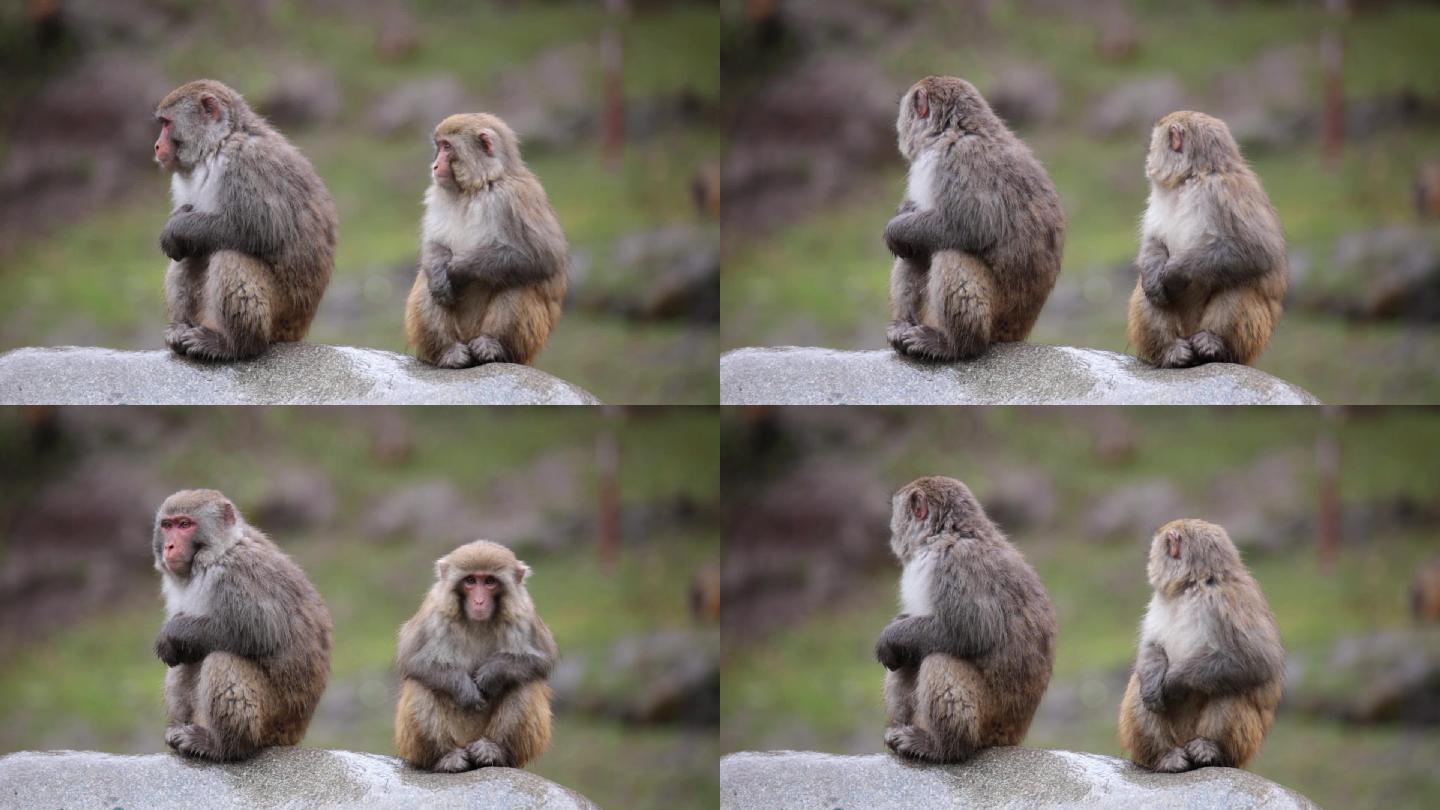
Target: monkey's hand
(177, 238)
(437, 276)
(897, 239)
(174, 647)
(906, 206)
(1151, 670)
(891, 650)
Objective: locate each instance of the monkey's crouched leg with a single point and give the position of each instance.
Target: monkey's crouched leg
(1143, 734)
(518, 729)
(900, 696)
(956, 319)
(1236, 326)
(180, 685)
(1229, 732)
(1157, 334)
(229, 721)
(516, 325)
(236, 322)
(907, 298)
(948, 695)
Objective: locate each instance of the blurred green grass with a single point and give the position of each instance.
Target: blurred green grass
(97, 685)
(825, 278)
(99, 280)
(815, 684)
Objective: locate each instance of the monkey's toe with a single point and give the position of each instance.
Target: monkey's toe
(1178, 354)
(173, 334)
(894, 334)
(926, 343)
(191, 741)
(203, 343)
(454, 762)
(486, 753)
(1203, 753)
(909, 741)
(1174, 762)
(486, 349)
(1209, 347)
(457, 356)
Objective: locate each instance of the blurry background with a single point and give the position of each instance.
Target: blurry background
(616, 512)
(1334, 511)
(1349, 155)
(616, 104)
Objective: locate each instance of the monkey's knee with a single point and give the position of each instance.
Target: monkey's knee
(233, 702)
(519, 726)
(241, 304)
(960, 301)
(949, 694)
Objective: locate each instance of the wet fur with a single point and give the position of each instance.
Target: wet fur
(980, 234)
(975, 645)
(259, 632)
(252, 237)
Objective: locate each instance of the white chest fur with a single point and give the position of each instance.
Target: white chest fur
(201, 187)
(460, 223)
(916, 584)
(920, 182)
(1177, 216)
(190, 596)
(1182, 626)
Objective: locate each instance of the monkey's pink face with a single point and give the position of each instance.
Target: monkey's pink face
(165, 144)
(478, 592)
(441, 169)
(177, 548)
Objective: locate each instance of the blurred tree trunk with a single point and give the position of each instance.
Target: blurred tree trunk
(607, 463)
(612, 56)
(1327, 466)
(1332, 56)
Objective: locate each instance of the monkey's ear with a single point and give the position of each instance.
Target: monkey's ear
(521, 571)
(1177, 137)
(227, 513)
(919, 507)
(211, 106)
(922, 103)
(442, 569)
(487, 142)
(1172, 542)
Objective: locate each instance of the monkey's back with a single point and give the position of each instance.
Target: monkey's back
(273, 169)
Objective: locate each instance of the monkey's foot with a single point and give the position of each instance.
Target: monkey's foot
(486, 349)
(926, 343)
(1178, 354)
(173, 333)
(911, 741)
(1174, 762)
(1203, 753)
(454, 762)
(486, 753)
(192, 741)
(1209, 348)
(894, 332)
(457, 356)
(204, 343)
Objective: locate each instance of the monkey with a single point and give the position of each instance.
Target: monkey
(252, 237)
(1209, 669)
(971, 654)
(1212, 263)
(1425, 592)
(493, 259)
(979, 235)
(246, 636)
(475, 661)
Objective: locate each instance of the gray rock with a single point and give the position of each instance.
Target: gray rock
(1008, 374)
(278, 777)
(996, 778)
(289, 374)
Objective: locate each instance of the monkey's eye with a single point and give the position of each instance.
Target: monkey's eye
(182, 523)
(470, 580)
(1210, 581)
(491, 582)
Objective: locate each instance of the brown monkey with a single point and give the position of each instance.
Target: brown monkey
(1210, 667)
(1213, 269)
(246, 636)
(475, 660)
(1425, 592)
(979, 235)
(971, 653)
(493, 259)
(252, 236)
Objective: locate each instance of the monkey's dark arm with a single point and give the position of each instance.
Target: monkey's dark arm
(1220, 672)
(417, 662)
(501, 265)
(185, 639)
(435, 264)
(506, 670)
(975, 629)
(256, 215)
(1152, 259)
(919, 234)
(1150, 668)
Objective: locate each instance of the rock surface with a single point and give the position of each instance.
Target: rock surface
(278, 777)
(289, 374)
(1008, 374)
(996, 778)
